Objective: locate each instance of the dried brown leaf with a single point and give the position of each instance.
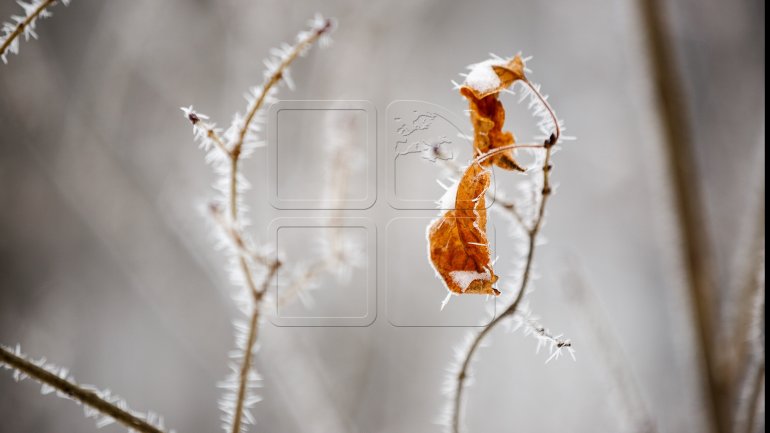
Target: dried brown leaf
(488, 115)
(459, 248)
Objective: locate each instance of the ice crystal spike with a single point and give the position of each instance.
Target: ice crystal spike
(247, 262)
(98, 404)
(23, 25)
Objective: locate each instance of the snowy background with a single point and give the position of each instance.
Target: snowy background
(107, 266)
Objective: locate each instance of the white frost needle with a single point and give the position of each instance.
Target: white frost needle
(529, 218)
(101, 405)
(23, 25)
(251, 271)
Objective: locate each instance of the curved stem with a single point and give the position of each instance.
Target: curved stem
(527, 273)
(463, 374)
(497, 150)
(84, 396)
(556, 126)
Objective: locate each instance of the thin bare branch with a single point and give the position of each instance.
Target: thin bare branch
(232, 225)
(243, 375)
(76, 392)
(235, 235)
(27, 24)
(276, 77)
(270, 81)
(235, 151)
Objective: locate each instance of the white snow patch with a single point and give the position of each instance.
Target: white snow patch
(465, 278)
(482, 77)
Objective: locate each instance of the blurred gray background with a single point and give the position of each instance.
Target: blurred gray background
(107, 265)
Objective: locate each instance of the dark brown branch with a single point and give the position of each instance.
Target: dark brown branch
(679, 143)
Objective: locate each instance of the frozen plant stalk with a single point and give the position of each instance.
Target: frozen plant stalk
(458, 246)
(252, 269)
(24, 25)
(102, 405)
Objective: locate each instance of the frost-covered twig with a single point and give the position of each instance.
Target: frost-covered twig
(244, 374)
(526, 321)
(243, 377)
(239, 240)
(277, 70)
(104, 406)
(24, 25)
(532, 235)
(225, 151)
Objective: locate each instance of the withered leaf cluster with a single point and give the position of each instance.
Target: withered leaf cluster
(458, 244)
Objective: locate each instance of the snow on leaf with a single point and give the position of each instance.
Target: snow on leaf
(458, 244)
(481, 87)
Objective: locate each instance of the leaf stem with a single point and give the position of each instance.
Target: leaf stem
(497, 150)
